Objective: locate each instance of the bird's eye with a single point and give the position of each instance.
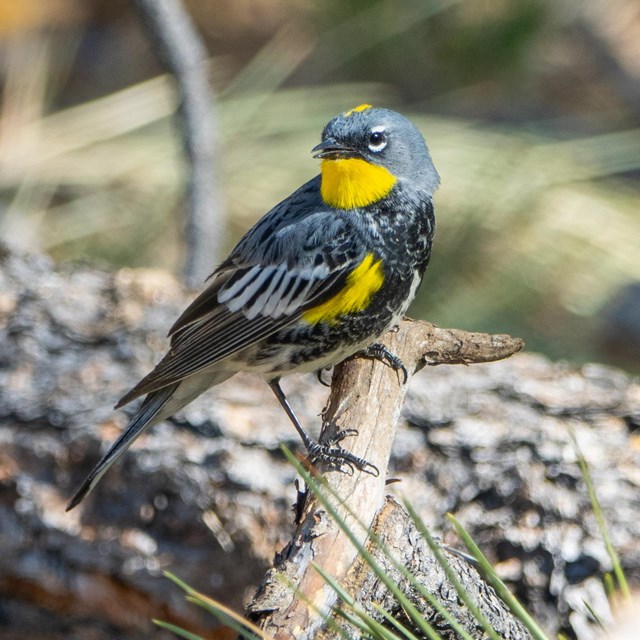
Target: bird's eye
(377, 140)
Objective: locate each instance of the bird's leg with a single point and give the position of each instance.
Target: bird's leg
(378, 351)
(329, 452)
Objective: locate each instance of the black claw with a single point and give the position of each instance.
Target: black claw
(321, 380)
(341, 435)
(378, 351)
(331, 454)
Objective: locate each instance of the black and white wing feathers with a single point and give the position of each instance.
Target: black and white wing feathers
(267, 282)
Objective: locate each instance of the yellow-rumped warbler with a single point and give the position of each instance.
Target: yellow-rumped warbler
(319, 278)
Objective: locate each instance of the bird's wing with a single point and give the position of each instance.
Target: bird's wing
(259, 290)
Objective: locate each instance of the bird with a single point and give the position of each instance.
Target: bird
(316, 280)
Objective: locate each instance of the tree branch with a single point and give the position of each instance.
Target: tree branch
(181, 50)
(367, 396)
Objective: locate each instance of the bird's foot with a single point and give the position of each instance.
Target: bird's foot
(334, 456)
(378, 351)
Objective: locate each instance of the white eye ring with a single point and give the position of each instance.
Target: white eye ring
(377, 139)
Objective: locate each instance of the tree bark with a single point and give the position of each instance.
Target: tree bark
(367, 396)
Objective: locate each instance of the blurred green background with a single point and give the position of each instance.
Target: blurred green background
(531, 109)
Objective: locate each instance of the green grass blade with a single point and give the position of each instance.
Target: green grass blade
(592, 612)
(429, 597)
(601, 520)
(330, 622)
(177, 630)
(492, 578)
(409, 607)
(609, 587)
(183, 585)
(395, 623)
(360, 619)
(357, 623)
(223, 613)
(450, 573)
(370, 623)
(227, 617)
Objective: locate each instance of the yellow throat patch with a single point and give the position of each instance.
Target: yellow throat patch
(349, 183)
(362, 283)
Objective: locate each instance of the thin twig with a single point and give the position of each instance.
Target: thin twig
(181, 50)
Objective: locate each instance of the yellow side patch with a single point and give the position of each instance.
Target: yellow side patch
(351, 182)
(360, 107)
(362, 283)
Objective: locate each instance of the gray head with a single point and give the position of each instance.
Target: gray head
(382, 137)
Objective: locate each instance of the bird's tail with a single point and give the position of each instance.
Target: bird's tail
(148, 414)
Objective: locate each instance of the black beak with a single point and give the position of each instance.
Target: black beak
(332, 149)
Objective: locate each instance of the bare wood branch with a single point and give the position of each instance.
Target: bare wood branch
(181, 50)
(367, 396)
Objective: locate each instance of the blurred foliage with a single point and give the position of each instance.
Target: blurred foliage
(530, 109)
(492, 40)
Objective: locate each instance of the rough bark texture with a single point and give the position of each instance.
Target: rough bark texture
(368, 399)
(400, 538)
(208, 494)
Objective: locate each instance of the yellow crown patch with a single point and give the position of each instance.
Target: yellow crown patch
(360, 107)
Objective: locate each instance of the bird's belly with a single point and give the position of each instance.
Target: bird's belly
(303, 347)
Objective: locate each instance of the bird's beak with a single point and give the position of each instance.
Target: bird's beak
(333, 150)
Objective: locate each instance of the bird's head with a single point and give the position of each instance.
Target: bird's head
(366, 151)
